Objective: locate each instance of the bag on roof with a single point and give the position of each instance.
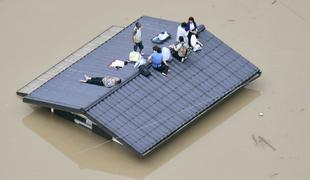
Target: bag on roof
(182, 50)
(200, 28)
(143, 69)
(161, 38)
(134, 56)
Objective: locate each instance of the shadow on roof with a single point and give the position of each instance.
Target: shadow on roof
(90, 151)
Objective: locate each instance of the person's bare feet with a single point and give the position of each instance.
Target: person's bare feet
(83, 81)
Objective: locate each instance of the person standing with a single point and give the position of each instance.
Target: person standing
(137, 38)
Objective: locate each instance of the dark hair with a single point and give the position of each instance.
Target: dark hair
(183, 24)
(181, 39)
(157, 49)
(137, 23)
(191, 19)
(118, 81)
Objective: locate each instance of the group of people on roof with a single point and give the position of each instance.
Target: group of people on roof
(186, 41)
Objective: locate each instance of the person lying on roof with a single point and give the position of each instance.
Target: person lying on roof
(156, 59)
(107, 81)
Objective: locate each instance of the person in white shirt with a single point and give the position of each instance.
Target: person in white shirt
(195, 43)
(166, 54)
(137, 38)
(182, 32)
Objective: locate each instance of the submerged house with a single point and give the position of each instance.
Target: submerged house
(141, 112)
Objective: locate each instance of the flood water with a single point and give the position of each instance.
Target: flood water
(231, 142)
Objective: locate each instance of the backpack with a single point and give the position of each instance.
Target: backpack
(144, 70)
(182, 50)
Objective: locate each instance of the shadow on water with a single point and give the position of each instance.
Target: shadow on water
(90, 151)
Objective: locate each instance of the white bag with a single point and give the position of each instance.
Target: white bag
(134, 56)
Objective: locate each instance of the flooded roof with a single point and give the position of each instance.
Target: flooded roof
(143, 112)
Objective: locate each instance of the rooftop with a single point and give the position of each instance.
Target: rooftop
(143, 112)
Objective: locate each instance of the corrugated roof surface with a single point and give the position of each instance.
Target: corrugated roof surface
(146, 111)
(66, 91)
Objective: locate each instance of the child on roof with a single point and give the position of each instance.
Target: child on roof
(107, 81)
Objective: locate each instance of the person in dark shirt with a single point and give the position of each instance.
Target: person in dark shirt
(107, 81)
(191, 29)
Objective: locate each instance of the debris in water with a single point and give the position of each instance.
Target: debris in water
(259, 140)
(273, 2)
(261, 114)
(274, 175)
(231, 20)
(254, 139)
(263, 140)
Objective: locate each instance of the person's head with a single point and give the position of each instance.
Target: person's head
(138, 24)
(157, 49)
(183, 24)
(181, 39)
(191, 20)
(118, 81)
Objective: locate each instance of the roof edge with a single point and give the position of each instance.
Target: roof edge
(43, 103)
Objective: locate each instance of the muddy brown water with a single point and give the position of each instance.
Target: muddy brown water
(231, 142)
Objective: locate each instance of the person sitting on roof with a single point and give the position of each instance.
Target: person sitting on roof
(181, 32)
(191, 28)
(166, 52)
(156, 59)
(107, 81)
(180, 50)
(195, 43)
